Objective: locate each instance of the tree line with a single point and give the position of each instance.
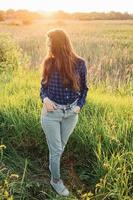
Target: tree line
(112, 15)
(28, 16)
(23, 15)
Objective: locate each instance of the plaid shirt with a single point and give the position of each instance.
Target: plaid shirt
(56, 92)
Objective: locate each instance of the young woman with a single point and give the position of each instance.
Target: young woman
(63, 93)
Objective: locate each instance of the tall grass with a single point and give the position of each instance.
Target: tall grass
(106, 45)
(102, 140)
(97, 161)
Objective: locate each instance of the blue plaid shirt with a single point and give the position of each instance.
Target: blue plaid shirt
(56, 92)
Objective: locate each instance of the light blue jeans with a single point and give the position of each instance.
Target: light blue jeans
(57, 126)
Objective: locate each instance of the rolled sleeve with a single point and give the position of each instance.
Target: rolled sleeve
(84, 87)
(43, 91)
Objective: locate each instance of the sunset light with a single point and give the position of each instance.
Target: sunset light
(66, 79)
(69, 6)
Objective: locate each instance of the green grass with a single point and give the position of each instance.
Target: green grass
(102, 140)
(97, 161)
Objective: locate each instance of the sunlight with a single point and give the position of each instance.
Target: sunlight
(69, 6)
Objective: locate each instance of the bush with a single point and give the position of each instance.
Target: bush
(2, 15)
(27, 21)
(12, 56)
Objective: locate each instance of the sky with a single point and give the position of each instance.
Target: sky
(69, 5)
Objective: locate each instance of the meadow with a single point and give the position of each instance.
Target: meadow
(97, 163)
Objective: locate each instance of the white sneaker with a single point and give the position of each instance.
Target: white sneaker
(59, 187)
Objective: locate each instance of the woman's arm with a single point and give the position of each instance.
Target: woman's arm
(50, 106)
(84, 87)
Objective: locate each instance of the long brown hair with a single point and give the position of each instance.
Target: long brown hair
(61, 56)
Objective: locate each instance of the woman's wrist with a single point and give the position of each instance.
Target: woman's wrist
(45, 99)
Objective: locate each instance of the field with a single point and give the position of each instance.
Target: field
(98, 160)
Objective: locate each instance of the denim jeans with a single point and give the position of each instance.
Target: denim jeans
(57, 125)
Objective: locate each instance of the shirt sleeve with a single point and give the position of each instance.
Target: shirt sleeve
(84, 88)
(43, 91)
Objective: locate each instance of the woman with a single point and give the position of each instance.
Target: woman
(63, 93)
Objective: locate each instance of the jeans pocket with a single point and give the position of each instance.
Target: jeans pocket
(51, 111)
(73, 109)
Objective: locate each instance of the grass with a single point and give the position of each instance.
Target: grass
(102, 140)
(97, 161)
(106, 45)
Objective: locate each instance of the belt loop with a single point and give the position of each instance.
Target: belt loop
(63, 110)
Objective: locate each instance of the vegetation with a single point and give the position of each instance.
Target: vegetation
(103, 136)
(29, 17)
(19, 16)
(11, 55)
(93, 15)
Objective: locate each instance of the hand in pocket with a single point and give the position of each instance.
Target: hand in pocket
(77, 109)
(49, 105)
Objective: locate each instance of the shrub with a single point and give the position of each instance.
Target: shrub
(12, 56)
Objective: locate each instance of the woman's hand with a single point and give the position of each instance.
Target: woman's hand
(50, 106)
(77, 109)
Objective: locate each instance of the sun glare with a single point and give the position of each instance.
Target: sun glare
(69, 6)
